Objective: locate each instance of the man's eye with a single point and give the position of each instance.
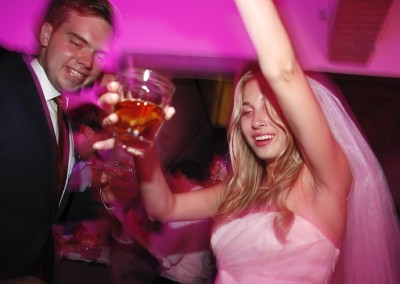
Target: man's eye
(99, 57)
(75, 43)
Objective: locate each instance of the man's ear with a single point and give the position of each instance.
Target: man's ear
(45, 33)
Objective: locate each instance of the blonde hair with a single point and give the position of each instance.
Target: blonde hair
(245, 190)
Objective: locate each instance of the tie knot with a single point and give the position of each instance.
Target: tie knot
(58, 101)
(61, 102)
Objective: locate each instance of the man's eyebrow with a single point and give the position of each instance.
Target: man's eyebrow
(79, 37)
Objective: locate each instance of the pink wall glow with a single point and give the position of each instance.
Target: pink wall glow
(213, 29)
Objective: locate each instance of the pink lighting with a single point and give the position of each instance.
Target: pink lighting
(211, 30)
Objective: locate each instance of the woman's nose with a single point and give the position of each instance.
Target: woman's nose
(259, 121)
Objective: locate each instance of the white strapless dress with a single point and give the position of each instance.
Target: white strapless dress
(247, 251)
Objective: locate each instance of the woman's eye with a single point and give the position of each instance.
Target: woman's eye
(99, 57)
(246, 112)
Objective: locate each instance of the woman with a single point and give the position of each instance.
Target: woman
(281, 216)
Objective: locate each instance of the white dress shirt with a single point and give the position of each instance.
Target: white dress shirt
(49, 94)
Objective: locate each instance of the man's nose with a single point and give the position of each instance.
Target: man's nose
(86, 59)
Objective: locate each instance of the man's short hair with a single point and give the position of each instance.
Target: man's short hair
(57, 12)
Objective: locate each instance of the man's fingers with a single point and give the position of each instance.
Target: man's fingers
(111, 97)
(114, 87)
(108, 100)
(104, 145)
(110, 120)
(169, 112)
(133, 151)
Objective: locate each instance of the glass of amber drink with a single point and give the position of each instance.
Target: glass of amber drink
(145, 94)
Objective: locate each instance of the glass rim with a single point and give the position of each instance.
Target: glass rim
(165, 80)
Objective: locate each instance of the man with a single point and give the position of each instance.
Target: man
(85, 201)
(73, 39)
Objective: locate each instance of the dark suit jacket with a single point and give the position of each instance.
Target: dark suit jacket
(28, 171)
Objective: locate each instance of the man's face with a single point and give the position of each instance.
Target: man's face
(72, 55)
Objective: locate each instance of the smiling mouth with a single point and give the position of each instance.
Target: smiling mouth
(264, 137)
(76, 74)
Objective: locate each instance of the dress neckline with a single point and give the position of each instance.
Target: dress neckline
(222, 224)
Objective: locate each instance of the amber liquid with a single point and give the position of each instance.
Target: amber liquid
(138, 122)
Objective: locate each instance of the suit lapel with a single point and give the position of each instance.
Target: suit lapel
(37, 106)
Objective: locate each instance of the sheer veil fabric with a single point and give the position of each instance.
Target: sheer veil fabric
(370, 252)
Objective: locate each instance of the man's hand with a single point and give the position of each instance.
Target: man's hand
(107, 101)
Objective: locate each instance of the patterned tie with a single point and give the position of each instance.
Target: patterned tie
(63, 149)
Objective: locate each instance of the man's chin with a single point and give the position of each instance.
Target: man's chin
(72, 89)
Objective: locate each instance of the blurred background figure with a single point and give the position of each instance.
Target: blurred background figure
(93, 246)
(182, 248)
(130, 261)
(82, 232)
(219, 168)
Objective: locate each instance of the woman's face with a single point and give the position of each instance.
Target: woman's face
(262, 134)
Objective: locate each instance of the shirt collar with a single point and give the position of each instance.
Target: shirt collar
(48, 90)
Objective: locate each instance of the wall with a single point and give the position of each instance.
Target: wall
(376, 103)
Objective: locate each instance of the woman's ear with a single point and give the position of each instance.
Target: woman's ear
(45, 33)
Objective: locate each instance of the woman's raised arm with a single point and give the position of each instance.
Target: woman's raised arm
(281, 68)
